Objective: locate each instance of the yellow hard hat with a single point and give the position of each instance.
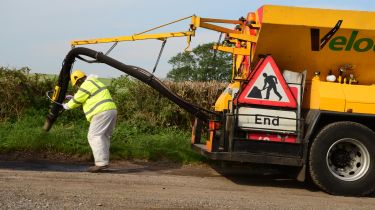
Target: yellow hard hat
(76, 75)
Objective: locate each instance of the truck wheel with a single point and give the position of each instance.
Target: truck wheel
(342, 159)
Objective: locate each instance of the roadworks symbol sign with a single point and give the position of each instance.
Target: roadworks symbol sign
(267, 86)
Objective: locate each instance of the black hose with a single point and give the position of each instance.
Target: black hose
(133, 71)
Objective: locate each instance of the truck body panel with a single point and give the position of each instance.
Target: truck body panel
(285, 33)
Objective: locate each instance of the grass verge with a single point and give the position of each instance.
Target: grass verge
(128, 141)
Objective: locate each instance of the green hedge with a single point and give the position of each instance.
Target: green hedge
(20, 90)
(138, 104)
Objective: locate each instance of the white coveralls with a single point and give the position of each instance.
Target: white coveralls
(99, 135)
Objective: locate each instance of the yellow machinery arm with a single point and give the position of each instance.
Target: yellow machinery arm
(240, 41)
(134, 37)
(233, 35)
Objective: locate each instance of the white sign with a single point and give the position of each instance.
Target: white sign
(267, 119)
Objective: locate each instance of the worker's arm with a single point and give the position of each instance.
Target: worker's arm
(80, 97)
(275, 79)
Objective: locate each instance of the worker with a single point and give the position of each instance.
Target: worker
(272, 82)
(100, 111)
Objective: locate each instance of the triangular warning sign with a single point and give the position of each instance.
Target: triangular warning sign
(267, 86)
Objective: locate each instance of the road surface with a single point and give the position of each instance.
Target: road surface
(141, 185)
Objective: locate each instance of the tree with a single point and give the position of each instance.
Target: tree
(201, 65)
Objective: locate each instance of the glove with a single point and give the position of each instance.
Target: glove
(65, 106)
(68, 97)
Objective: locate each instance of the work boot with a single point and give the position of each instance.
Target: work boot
(97, 169)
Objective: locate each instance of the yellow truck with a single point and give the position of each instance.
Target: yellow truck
(301, 95)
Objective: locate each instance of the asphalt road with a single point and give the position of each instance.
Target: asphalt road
(129, 185)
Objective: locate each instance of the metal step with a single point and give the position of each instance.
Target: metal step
(249, 157)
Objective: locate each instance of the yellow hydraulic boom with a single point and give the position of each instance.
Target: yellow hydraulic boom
(240, 41)
(139, 36)
(233, 35)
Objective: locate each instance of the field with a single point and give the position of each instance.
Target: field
(149, 126)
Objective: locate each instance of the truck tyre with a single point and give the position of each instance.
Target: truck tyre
(342, 159)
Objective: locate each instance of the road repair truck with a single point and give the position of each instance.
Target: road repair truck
(302, 93)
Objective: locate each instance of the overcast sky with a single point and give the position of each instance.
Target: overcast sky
(37, 33)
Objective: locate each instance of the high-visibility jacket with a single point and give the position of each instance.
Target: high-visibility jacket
(94, 97)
